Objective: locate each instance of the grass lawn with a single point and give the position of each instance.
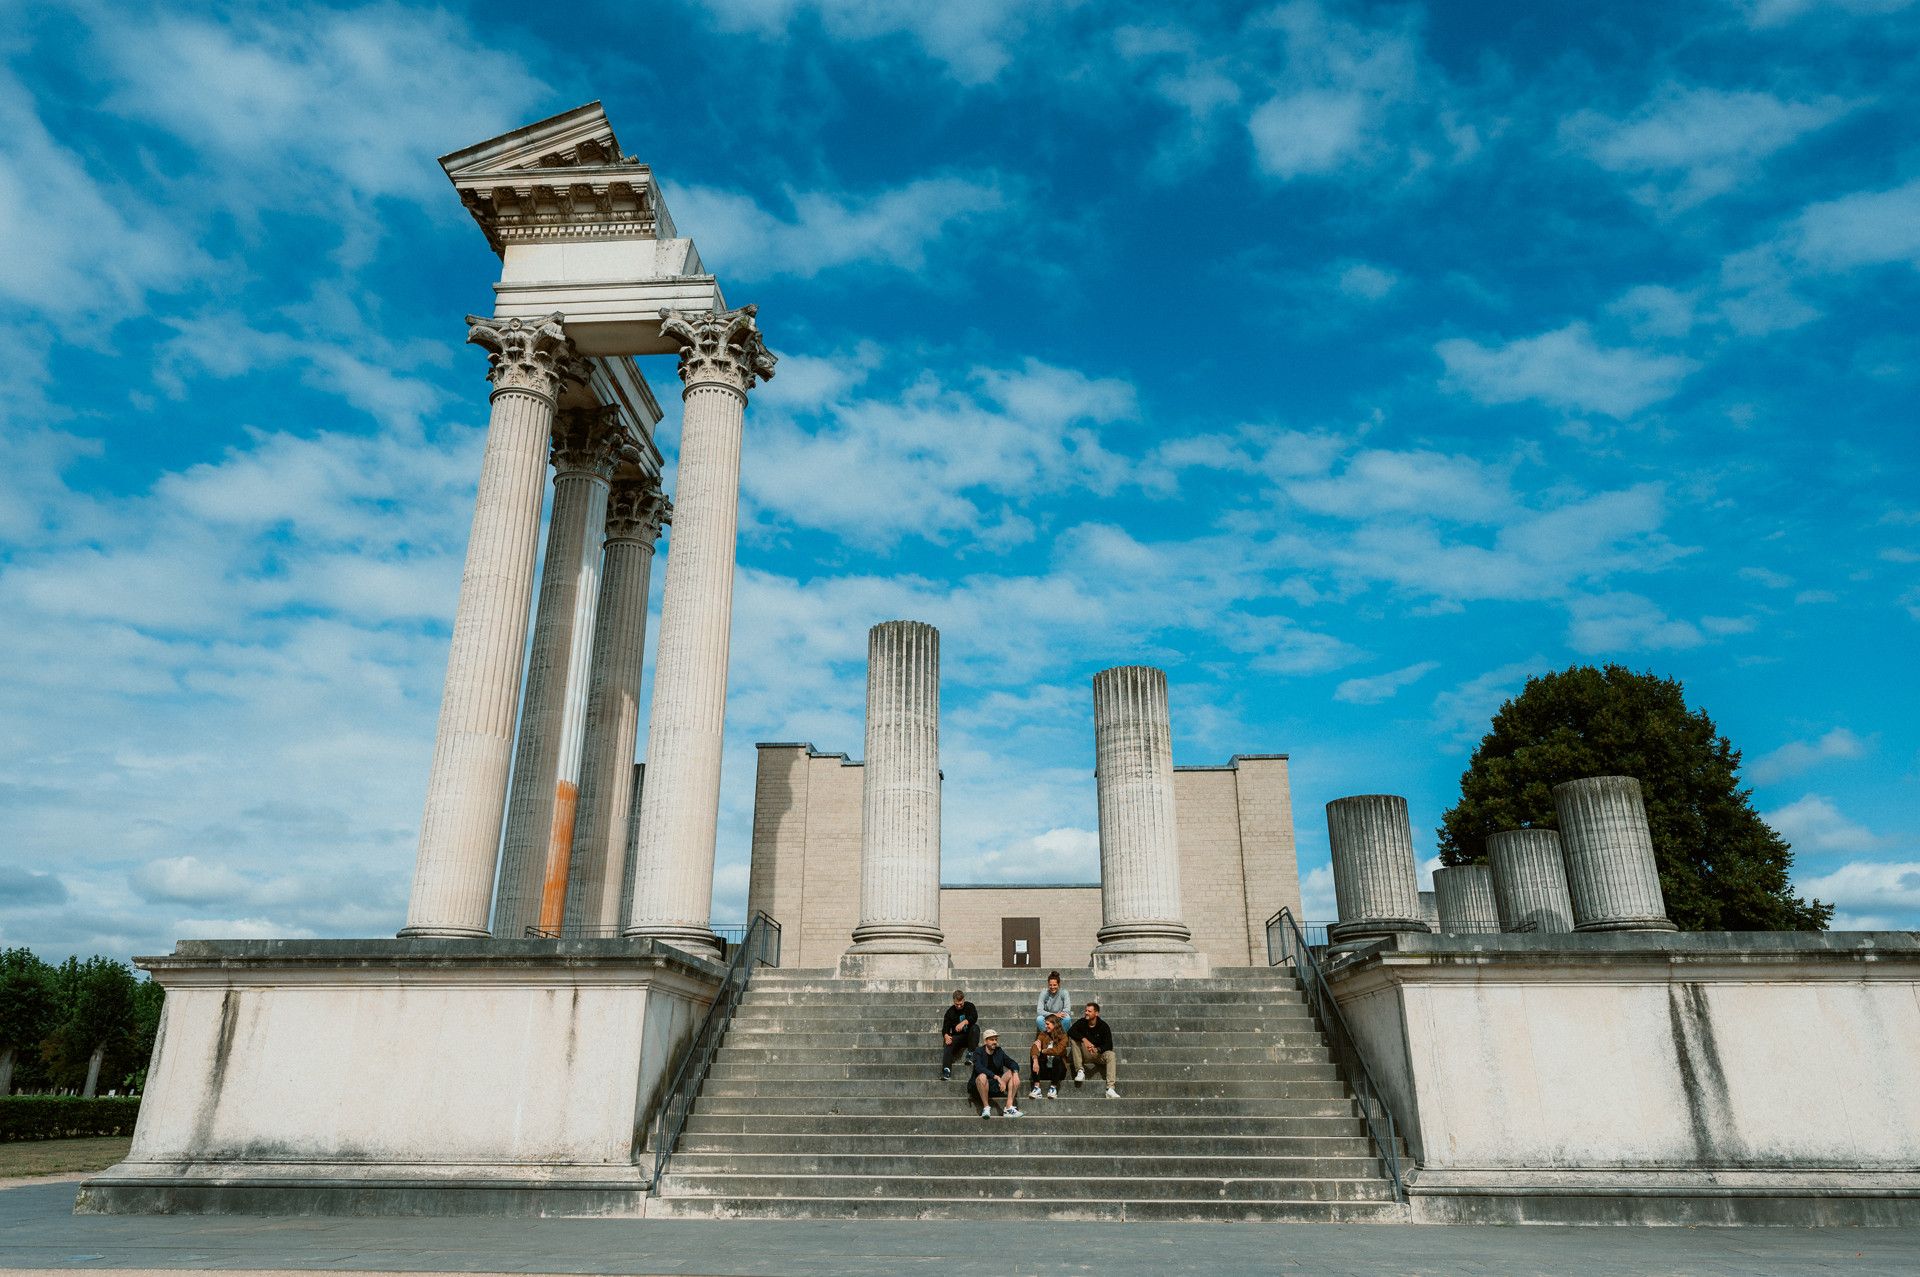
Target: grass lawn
(58, 1157)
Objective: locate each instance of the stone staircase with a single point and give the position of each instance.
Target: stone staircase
(825, 1102)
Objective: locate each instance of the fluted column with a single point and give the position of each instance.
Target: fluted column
(1374, 882)
(721, 358)
(1463, 896)
(467, 783)
(546, 763)
(899, 931)
(1142, 931)
(635, 511)
(1613, 878)
(1530, 881)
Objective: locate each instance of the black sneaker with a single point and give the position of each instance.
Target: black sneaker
(946, 1075)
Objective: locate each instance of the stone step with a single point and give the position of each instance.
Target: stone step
(1070, 1123)
(774, 1066)
(1032, 1169)
(1016, 1141)
(907, 1030)
(1214, 1210)
(913, 1057)
(1136, 1088)
(1233, 1110)
(991, 1187)
(1035, 978)
(790, 995)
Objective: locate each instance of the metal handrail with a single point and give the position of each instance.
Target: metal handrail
(1381, 1127)
(759, 947)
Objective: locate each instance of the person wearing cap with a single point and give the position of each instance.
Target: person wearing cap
(959, 1032)
(1049, 1057)
(994, 1073)
(1054, 999)
(1092, 1041)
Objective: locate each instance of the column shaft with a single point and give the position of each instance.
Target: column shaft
(1374, 882)
(721, 358)
(1139, 842)
(467, 782)
(594, 883)
(900, 804)
(535, 858)
(1463, 896)
(1530, 880)
(1613, 878)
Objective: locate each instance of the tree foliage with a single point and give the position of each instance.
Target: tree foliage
(1721, 866)
(55, 1018)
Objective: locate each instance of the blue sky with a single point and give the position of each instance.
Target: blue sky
(1349, 361)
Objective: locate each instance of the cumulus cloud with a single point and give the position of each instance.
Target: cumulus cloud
(1375, 688)
(1691, 144)
(1798, 756)
(1565, 368)
(973, 41)
(1873, 896)
(828, 230)
(1367, 281)
(1623, 622)
(1465, 712)
(1815, 823)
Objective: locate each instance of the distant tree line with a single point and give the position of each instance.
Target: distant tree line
(83, 1027)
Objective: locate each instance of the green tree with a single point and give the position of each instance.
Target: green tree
(149, 999)
(27, 1011)
(99, 1019)
(1721, 866)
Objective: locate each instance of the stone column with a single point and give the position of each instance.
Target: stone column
(721, 358)
(1530, 881)
(1143, 934)
(1463, 895)
(546, 763)
(1612, 876)
(1374, 881)
(467, 784)
(635, 511)
(899, 933)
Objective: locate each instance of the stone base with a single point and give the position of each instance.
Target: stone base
(1798, 1199)
(405, 1077)
(1149, 964)
(883, 962)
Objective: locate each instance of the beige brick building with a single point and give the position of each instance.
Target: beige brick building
(1237, 868)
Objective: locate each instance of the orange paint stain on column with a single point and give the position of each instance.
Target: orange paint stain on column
(553, 889)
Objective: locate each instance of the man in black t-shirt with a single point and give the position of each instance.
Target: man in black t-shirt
(959, 1032)
(995, 1074)
(1092, 1042)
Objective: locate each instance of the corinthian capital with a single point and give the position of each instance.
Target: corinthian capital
(635, 510)
(588, 440)
(531, 355)
(720, 346)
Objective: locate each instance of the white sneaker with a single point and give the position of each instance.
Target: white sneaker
(1052, 1094)
(987, 1111)
(1079, 1075)
(1011, 1111)
(1034, 1094)
(1112, 1094)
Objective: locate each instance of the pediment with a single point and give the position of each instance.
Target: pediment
(562, 177)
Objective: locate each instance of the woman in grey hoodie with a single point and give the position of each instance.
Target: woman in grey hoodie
(1053, 1000)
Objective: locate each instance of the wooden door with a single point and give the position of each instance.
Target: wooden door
(1019, 942)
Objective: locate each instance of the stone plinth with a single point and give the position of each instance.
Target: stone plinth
(1142, 933)
(899, 932)
(1463, 897)
(1613, 879)
(405, 1077)
(1530, 881)
(1375, 886)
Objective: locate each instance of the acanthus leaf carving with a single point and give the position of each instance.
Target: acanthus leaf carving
(636, 510)
(536, 356)
(588, 440)
(719, 347)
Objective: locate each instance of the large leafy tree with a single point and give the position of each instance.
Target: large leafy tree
(1722, 867)
(27, 1011)
(98, 1019)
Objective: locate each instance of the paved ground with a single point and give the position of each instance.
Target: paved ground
(37, 1232)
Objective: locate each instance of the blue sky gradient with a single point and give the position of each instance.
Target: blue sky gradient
(1351, 362)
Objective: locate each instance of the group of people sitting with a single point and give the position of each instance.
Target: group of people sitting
(1087, 1043)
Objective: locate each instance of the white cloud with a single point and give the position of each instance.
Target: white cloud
(1383, 687)
(325, 101)
(1308, 132)
(1465, 713)
(1654, 310)
(1773, 13)
(1379, 481)
(1887, 893)
(1317, 900)
(1623, 622)
(1798, 756)
(1868, 228)
(971, 40)
(826, 231)
(1367, 281)
(1814, 823)
(1565, 368)
(1692, 144)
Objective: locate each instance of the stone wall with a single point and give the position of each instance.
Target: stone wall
(1237, 866)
